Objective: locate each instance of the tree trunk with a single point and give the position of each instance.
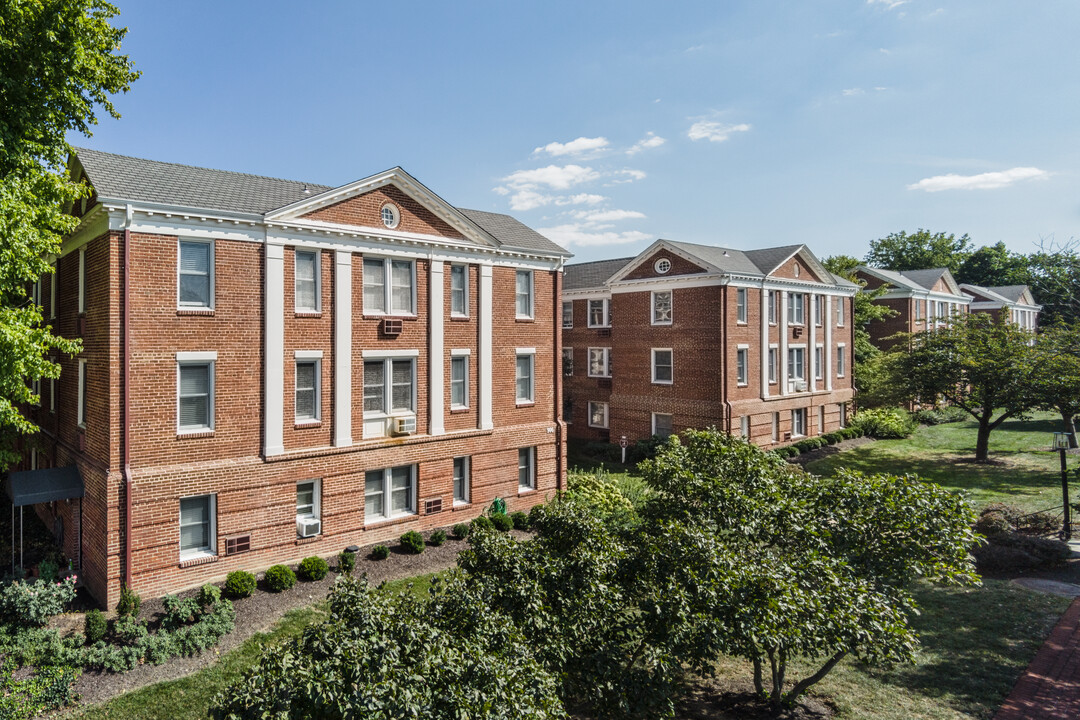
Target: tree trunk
(803, 685)
(759, 684)
(1070, 427)
(777, 694)
(982, 443)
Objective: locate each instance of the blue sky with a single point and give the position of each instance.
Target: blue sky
(606, 125)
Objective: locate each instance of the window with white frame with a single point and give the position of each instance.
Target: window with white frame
(819, 309)
(661, 307)
(841, 360)
(196, 275)
(307, 388)
(568, 314)
(306, 281)
(839, 311)
(389, 287)
(598, 414)
(598, 313)
(459, 381)
(527, 468)
(461, 480)
(772, 306)
(198, 532)
(776, 427)
(195, 391)
(389, 389)
(918, 310)
(744, 426)
(35, 292)
(795, 309)
(662, 366)
(843, 414)
(82, 280)
(81, 409)
(798, 422)
(389, 493)
(663, 424)
(820, 419)
(52, 290)
(742, 364)
(740, 305)
(599, 362)
(52, 395)
(819, 362)
(459, 291)
(568, 361)
(796, 364)
(308, 500)
(773, 351)
(523, 294)
(523, 376)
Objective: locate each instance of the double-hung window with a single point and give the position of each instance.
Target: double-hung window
(798, 422)
(662, 366)
(82, 280)
(772, 364)
(524, 375)
(599, 316)
(568, 361)
(389, 493)
(841, 360)
(795, 308)
(819, 363)
(52, 290)
(523, 294)
(308, 500)
(568, 314)
(819, 309)
(527, 468)
(195, 391)
(196, 275)
(389, 389)
(599, 362)
(742, 364)
(661, 307)
(839, 312)
(772, 306)
(663, 424)
(740, 305)
(306, 281)
(198, 534)
(918, 310)
(81, 408)
(308, 367)
(796, 364)
(744, 426)
(598, 414)
(389, 287)
(459, 380)
(459, 291)
(461, 480)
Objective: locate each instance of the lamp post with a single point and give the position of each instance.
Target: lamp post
(1061, 444)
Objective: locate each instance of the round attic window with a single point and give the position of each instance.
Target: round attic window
(662, 266)
(391, 216)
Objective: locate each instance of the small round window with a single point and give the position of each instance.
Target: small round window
(662, 266)
(390, 215)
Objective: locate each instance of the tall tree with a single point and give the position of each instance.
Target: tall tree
(919, 250)
(982, 366)
(993, 266)
(59, 62)
(1057, 383)
(1054, 277)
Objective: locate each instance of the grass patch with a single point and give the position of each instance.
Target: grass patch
(1022, 471)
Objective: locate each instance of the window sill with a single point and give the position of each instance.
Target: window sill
(601, 377)
(742, 384)
(460, 318)
(195, 560)
(308, 540)
(525, 491)
(194, 434)
(668, 324)
(460, 505)
(383, 522)
(458, 410)
(599, 327)
(525, 403)
(305, 424)
(388, 316)
(600, 427)
(741, 322)
(524, 319)
(195, 311)
(307, 313)
(663, 382)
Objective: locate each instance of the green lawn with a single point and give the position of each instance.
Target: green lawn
(1022, 471)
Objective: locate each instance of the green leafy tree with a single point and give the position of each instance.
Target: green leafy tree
(1054, 278)
(993, 266)
(982, 366)
(1057, 382)
(59, 61)
(919, 250)
(747, 555)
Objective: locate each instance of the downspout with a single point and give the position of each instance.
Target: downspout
(556, 364)
(725, 395)
(125, 393)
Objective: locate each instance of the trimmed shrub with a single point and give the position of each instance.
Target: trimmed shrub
(1040, 523)
(598, 490)
(990, 524)
(437, 537)
(480, 523)
(179, 612)
(26, 602)
(884, 423)
(279, 578)
(1012, 552)
(380, 552)
(130, 602)
(240, 584)
(412, 541)
(346, 562)
(502, 522)
(520, 520)
(95, 626)
(313, 568)
(460, 531)
(208, 595)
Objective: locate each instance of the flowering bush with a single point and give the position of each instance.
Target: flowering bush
(32, 603)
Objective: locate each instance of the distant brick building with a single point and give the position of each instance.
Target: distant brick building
(275, 369)
(756, 343)
(1014, 303)
(922, 300)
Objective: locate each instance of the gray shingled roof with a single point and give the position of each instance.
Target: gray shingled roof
(727, 260)
(591, 274)
(925, 278)
(120, 177)
(768, 259)
(1012, 293)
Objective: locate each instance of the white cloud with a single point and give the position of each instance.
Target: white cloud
(850, 92)
(626, 176)
(889, 4)
(575, 147)
(694, 48)
(577, 234)
(982, 181)
(651, 140)
(580, 199)
(593, 217)
(714, 131)
(557, 177)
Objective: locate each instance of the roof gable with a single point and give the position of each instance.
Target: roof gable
(649, 265)
(800, 264)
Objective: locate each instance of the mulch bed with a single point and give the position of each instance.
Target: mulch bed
(733, 698)
(259, 613)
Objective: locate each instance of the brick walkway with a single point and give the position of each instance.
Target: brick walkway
(1050, 688)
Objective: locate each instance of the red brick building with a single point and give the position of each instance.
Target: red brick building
(922, 299)
(277, 369)
(1015, 303)
(755, 342)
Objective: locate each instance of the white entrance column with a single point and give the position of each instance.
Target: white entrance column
(783, 310)
(436, 371)
(274, 309)
(485, 361)
(829, 364)
(343, 316)
(764, 342)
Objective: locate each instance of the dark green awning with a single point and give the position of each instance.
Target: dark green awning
(28, 487)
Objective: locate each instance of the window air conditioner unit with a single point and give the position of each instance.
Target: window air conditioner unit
(308, 527)
(798, 385)
(405, 425)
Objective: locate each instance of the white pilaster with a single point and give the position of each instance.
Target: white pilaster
(764, 347)
(485, 361)
(274, 308)
(436, 334)
(343, 348)
(830, 366)
(811, 355)
(783, 360)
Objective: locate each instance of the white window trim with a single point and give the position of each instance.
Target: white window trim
(387, 494)
(388, 286)
(211, 551)
(741, 307)
(819, 367)
(197, 358)
(771, 302)
(774, 369)
(791, 378)
(462, 355)
(82, 279)
(819, 310)
(776, 427)
(791, 308)
(52, 395)
(81, 399)
(820, 419)
(531, 354)
(465, 289)
(316, 499)
(802, 414)
(467, 485)
(655, 415)
(316, 358)
(841, 354)
(652, 307)
(532, 295)
(744, 427)
(386, 358)
(607, 312)
(652, 362)
(566, 317)
(745, 351)
(531, 469)
(52, 291)
(213, 275)
(318, 281)
(840, 311)
(607, 362)
(606, 410)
